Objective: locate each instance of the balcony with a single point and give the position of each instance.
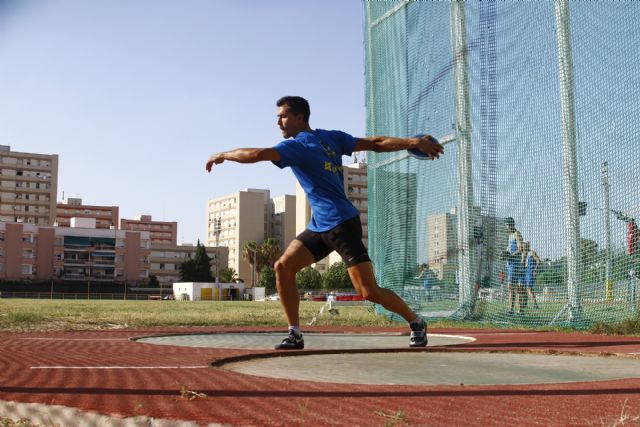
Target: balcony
(74, 276)
(103, 277)
(72, 261)
(103, 247)
(104, 262)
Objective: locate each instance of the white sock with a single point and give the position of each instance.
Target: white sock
(295, 329)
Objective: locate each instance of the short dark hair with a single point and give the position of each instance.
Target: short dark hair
(297, 105)
(509, 221)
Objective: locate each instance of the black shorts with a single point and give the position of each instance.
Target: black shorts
(345, 238)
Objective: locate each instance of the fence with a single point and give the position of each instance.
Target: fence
(537, 106)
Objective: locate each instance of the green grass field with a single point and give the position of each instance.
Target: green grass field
(68, 315)
(48, 315)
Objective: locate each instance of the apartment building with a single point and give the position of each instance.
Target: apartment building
(28, 187)
(162, 232)
(166, 261)
(355, 187)
(442, 243)
(79, 253)
(106, 217)
(236, 219)
(442, 240)
(283, 220)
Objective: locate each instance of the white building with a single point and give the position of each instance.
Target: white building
(203, 291)
(283, 220)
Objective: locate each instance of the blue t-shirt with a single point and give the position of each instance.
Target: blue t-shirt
(316, 160)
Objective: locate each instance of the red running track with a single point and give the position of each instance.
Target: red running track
(140, 386)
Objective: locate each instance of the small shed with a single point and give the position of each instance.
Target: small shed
(207, 291)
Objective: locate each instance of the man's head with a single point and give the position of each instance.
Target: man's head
(510, 223)
(293, 115)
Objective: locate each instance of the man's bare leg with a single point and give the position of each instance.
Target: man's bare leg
(295, 258)
(365, 283)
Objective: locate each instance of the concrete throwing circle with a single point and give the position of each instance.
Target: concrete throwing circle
(312, 341)
(440, 368)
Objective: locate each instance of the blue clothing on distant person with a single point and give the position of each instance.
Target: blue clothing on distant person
(513, 262)
(316, 160)
(530, 266)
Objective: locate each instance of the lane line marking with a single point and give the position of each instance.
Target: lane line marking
(119, 367)
(502, 333)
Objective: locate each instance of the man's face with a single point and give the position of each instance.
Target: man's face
(290, 124)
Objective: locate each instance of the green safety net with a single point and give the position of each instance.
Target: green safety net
(537, 105)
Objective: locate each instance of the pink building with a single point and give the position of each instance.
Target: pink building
(162, 232)
(30, 252)
(106, 216)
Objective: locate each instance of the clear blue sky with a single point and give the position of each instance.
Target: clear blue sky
(135, 95)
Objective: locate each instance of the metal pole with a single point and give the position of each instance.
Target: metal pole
(463, 136)
(569, 159)
(608, 283)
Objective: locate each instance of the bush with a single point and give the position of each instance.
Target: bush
(336, 277)
(267, 279)
(308, 278)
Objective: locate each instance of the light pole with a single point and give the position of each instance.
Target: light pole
(217, 227)
(607, 229)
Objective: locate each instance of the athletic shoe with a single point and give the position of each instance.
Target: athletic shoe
(418, 334)
(293, 341)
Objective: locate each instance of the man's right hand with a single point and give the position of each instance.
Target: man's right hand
(215, 159)
(430, 146)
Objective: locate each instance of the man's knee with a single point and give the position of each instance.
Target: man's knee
(371, 293)
(285, 265)
(281, 266)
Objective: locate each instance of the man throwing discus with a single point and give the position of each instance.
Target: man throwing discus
(315, 157)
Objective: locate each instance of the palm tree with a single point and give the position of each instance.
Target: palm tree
(251, 254)
(228, 275)
(261, 255)
(270, 252)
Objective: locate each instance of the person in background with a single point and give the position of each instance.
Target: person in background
(530, 262)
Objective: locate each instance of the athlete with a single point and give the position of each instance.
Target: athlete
(315, 157)
(514, 258)
(530, 263)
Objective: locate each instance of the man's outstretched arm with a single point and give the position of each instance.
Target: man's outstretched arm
(244, 155)
(381, 144)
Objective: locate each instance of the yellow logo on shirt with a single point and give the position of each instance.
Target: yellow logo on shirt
(328, 166)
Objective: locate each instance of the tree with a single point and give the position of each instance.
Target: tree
(251, 254)
(267, 279)
(269, 251)
(153, 281)
(589, 252)
(308, 278)
(261, 255)
(550, 278)
(197, 269)
(336, 277)
(228, 275)
(428, 277)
